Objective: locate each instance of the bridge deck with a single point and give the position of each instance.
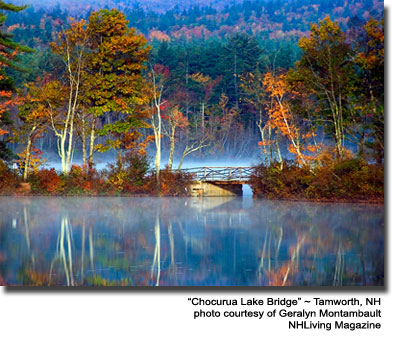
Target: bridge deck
(221, 175)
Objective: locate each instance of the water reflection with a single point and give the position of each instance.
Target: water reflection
(188, 241)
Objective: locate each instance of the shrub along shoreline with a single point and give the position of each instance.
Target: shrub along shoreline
(124, 179)
(350, 180)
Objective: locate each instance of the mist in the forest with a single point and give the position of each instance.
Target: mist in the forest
(101, 161)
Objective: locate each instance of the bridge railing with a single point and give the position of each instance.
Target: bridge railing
(220, 173)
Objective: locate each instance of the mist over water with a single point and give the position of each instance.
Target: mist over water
(189, 241)
(102, 162)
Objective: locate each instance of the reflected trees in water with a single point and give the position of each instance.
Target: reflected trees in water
(162, 242)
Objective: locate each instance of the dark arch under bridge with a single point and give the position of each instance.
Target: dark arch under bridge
(219, 181)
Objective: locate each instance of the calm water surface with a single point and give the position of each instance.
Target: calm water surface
(189, 242)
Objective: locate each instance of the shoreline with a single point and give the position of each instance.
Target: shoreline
(322, 201)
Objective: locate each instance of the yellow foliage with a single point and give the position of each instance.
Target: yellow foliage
(200, 78)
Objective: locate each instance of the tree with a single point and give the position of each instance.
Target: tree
(158, 77)
(34, 120)
(104, 61)
(70, 45)
(256, 96)
(6, 101)
(369, 95)
(8, 48)
(242, 55)
(223, 127)
(195, 142)
(283, 120)
(8, 59)
(325, 73)
(207, 86)
(113, 80)
(175, 120)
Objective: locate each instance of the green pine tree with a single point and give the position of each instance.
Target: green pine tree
(8, 59)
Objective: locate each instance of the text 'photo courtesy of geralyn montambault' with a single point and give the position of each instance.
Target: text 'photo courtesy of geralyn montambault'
(192, 143)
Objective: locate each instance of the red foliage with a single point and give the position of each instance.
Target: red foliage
(161, 70)
(175, 183)
(348, 180)
(8, 179)
(48, 180)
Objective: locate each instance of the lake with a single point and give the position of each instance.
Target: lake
(128, 241)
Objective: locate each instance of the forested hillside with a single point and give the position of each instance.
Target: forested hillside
(266, 80)
(269, 19)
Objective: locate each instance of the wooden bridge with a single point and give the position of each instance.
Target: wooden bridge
(219, 181)
(226, 174)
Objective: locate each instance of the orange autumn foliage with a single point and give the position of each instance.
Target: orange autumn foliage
(374, 56)
(175, 183)
(48, 179)
(176, 119)
(282, 119)
(351, 179)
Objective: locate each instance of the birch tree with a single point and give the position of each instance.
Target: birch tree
(34, 120)
(174, 121)
(158, 76)
(70, 45)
